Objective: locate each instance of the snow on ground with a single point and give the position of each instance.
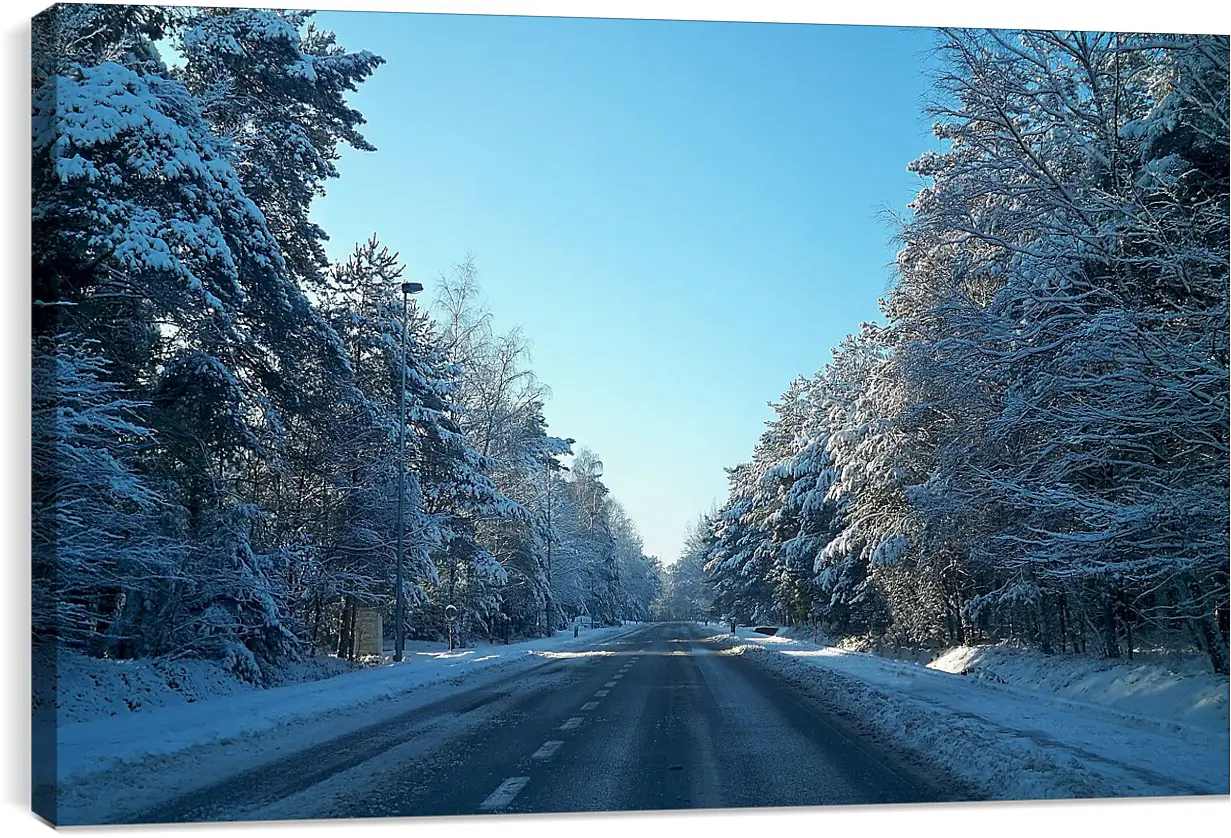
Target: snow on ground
(1010, 742)
(1158, 689)
(89, 688)
(91, 747)
(1156, 694)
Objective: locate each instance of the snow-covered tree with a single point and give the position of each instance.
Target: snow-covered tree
(1075, 211)
(148, 248)
(1033, 444)
(99, 529)
(275, 86)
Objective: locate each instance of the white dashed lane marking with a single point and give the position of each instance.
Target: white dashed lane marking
(617, 676)
(603, 693)
(504, 793)
(609, 684)
(547, 750)
(575, 721)
(589, 705)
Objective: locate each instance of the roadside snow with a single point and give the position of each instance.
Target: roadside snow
(91, 747)
(1009, 742)
(88, 688)
(1158, 689)
(1161, 693)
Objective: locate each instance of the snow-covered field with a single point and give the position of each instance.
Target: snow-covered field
(217, 711)
(1026, 726)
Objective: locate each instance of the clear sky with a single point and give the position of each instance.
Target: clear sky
(683, 216)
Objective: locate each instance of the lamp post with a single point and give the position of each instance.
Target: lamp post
(550, 535)
(399, 630)
(596, 471)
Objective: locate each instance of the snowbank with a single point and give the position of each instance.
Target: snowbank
(1174, 692)
(1160, 690)
(223, 713)
(1008, 742)
(89, 688)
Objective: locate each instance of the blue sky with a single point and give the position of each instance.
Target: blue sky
(682, 216)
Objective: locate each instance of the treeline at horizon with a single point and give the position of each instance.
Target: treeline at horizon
(1032, 444)
(216, 418)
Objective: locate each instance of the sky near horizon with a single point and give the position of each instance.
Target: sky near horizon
(682, 216)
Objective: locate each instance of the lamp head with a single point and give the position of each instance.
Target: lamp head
(412, 287)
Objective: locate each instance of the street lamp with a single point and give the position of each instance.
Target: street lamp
(399, 630)
(596, 471)
(550, 535)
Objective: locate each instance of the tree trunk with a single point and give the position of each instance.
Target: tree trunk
(353, 631)
(1207, 628)
(344, 629)
(1060, 615)
(1111, 642)
(1215, 648)
(316, 621)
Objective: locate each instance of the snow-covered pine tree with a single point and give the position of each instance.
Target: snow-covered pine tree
(146, 243)
(734, 565)
(275, 86)
(99, 529)
(350, 478)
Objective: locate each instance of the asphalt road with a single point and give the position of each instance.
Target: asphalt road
(660, 720)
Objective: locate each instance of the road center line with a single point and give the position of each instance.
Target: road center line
(589, 705)
(617, 676)
(575, 721)
(504, 793)
(603, 693)
(548, 748)
(609, 684)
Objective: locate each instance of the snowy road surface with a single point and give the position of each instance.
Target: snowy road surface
(653, 719)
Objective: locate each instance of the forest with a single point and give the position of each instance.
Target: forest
(217, 426)
(1031, 444)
